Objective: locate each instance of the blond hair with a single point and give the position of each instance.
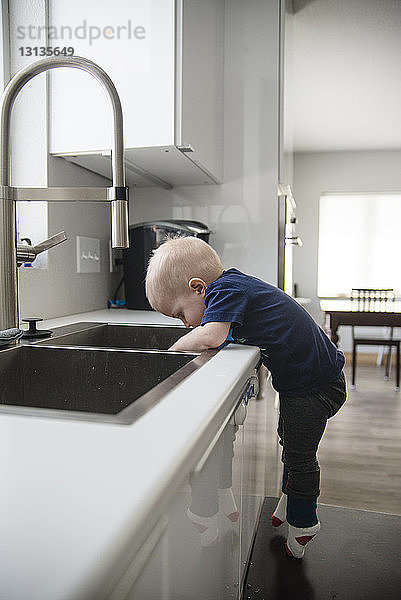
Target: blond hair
(174, 263)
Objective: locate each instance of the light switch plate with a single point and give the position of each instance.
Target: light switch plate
(88, 254)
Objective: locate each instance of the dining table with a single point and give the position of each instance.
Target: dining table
(344, 312)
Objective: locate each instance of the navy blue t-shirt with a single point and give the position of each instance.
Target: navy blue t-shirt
(294, 348)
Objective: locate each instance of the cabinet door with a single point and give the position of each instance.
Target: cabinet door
(254, 469)
(201, 38)
(133, 41)
(260, 461)
(196, 546)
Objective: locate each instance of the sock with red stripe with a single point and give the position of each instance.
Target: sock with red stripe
(279, 515)
(303, 524)
(297, 539)
(207, 528)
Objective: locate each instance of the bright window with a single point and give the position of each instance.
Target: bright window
(32, 217)
(359, 243)
(32, 225)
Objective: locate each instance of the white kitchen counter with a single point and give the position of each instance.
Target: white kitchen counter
(78, 499)
(112, 315)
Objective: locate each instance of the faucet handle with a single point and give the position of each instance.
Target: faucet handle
(54, 240)
(26, 253)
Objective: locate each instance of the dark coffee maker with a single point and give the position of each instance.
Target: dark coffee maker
(143, 239)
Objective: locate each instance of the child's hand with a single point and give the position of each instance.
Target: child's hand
(210, 335)
(177, 347)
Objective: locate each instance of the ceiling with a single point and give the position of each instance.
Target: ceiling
(344, 74)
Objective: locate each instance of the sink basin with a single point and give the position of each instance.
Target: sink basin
(91, 384)
(118, 336)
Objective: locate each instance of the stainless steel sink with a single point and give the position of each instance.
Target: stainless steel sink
(89, 384)
(99, 335)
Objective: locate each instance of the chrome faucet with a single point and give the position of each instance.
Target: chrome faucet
(117, 195)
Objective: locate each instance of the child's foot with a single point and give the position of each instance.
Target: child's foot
(278, 517)
(228, 505)
(297, 539)
(207, 528)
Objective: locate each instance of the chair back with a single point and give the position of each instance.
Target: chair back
(372, 299)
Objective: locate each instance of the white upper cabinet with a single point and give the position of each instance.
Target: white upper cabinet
(165, 58)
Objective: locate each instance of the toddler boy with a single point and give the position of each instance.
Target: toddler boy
(186, 280)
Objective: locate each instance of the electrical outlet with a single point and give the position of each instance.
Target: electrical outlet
(88, 255)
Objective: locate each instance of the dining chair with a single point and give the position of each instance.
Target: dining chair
(375, 300)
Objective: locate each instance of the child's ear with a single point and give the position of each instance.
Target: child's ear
(197, 285)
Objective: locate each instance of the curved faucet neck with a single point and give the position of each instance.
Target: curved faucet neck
(76, 62)
(118, 195)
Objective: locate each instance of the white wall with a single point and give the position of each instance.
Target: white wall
(242, 211)
(314, 173)
(59, 289)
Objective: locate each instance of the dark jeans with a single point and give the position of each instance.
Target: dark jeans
(302, 422)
